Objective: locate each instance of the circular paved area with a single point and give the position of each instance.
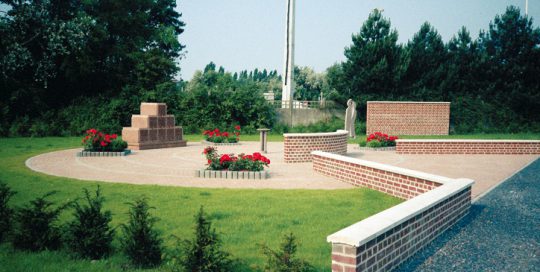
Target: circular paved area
(176, 167)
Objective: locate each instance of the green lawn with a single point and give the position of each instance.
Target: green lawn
(245, 218)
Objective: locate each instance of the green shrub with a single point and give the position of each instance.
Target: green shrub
(6, 213)
(204, 252)
(374, 144)
(284, 260)
(362, 142)
(141, 242)
(118, 145)
(89, 234)
(35, 227)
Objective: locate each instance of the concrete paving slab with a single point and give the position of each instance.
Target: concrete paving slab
(176, 167)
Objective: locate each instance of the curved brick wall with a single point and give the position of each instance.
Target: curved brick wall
(298, 146)
(456, 146)
(383, 241)
(408, 118)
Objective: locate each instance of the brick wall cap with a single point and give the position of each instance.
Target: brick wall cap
(152, 103)
(371, 227)
(339, 132)
(463, 141)
(386, 167)
(406, 102)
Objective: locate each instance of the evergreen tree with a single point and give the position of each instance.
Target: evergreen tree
(204, 252)
(36, 225)
(373, 67)
(141, 242)
(285, 260)
(426, 56)
(89, 234)
(6, 213)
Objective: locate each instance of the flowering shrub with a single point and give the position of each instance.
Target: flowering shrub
(379, 139)
(242, 162)
(216, 136)
(95, 140)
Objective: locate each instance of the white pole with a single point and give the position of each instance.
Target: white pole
(288, 62)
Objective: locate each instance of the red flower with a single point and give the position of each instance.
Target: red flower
(114, 136)
(103, 143)
(224, 158)
(216, 130)
(225, 134)
(237, 127)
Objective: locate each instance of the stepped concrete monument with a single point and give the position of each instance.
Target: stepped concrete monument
(288, 60)
(153, 128)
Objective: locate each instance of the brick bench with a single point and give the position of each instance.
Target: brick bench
(383, 241)
(457, 146)
(298, 146)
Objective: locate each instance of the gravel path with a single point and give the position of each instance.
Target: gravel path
(502, 232)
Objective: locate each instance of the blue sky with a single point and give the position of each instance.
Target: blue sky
(248, 34)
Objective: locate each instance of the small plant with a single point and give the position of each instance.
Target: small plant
(35, 228)
(379, 139)
(6, 213)
(141, 242)
(96, 140)
(216, 136)
(204, 252)
(242, 162)
(89, 234)
(284, 260)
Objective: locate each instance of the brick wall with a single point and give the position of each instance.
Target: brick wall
(408, 118)
(383, 241)
(298, 146)
(389, 249)
(392, 183)
(510, 147)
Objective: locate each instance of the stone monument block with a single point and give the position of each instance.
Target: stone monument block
(158, 109)
(153, 128)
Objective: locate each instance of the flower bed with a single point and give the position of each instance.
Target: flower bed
(217, 137)
(99, 144)
(379, 141)
(231, 166)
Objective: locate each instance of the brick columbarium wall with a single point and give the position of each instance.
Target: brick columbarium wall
(383, 241)
(457, 146)
(298, 146)
(153, 128)
(408, 118)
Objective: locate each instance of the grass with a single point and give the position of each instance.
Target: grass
(244, 218)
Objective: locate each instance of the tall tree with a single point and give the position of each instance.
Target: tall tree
(374, 61)
(512, 48)
(426, 55)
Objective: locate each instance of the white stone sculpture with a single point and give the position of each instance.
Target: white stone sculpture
(350, 118)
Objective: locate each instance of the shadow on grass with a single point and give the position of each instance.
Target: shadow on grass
(424, 254)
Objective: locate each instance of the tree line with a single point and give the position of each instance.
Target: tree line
(492, 82)
(67, 66)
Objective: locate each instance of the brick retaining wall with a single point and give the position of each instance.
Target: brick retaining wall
(456, 146)
(383, 241)
(408, 118)
(298, 146)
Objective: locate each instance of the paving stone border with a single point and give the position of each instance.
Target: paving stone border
(218, 144)
(103, 154)
(386, 148)
(204, 173)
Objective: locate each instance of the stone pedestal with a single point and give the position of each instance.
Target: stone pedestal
(153, 128)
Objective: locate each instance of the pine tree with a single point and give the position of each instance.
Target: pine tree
(284, 260)
(89, 234)
(141, 242)
(204, 252)
(6, 213)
